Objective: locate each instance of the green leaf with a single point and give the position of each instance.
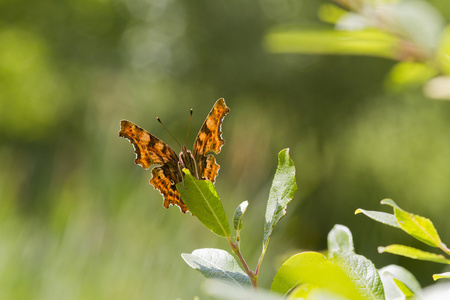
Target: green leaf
(302, 291)
(314, 268)
(408, 74)
(238, 214)
(417, 226)
(217, 264)
(405, 290)
(201, 198)
(441, 275)
(313, 294)
(281, 193)
(330, 13)
(290, 273)
(389, 202)
(414, 253)
(382, 217)
(368, 42)
(340, 239)
(362, 273)
(398, 282)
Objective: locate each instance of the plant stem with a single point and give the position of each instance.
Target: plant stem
(237, 251)
(261, 258)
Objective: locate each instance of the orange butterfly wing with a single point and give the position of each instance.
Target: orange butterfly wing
(149, 151)
(209, 139)
(148, 148)
(164, 179)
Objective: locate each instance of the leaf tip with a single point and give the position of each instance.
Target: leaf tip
(186, 171)
(358, 211)
(389, 202)
(381, 249)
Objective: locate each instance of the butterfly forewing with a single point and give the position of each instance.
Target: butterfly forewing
(148, 148)
(209, 138)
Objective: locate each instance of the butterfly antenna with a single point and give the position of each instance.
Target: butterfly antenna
(159, 120)
(189, 126)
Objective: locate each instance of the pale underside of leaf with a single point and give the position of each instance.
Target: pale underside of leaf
(217, 264)
(281, 193)
(340, 239)
(398, 282)
(382, 217)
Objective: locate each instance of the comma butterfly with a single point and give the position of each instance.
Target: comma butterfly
(150, 150)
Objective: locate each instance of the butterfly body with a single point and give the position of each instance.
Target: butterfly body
(187, 161)
(201, 163)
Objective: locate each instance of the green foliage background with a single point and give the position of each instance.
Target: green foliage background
(78, 219)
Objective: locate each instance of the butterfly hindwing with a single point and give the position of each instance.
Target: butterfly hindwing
(165, 179)
(208, 168)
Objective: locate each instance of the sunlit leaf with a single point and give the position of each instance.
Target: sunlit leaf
(217, 264)
(368, 42)
(281, 193)
(408, 74)
(414, 253)
(302, 291)
(313, 294)
(340, 239)
(314, 268)
(441, 275)
(403, 288)
(417, 226)
(389, 202)
(382, 217)
(290, 273)
(362, 273)
(330, 13)
(201, 198)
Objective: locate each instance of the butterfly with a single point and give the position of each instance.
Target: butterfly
(150, 150)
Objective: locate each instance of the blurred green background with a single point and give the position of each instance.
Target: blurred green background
(78, 220)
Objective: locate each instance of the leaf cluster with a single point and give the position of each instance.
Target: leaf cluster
(419, 227)
(338, 273)
(411, 32)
